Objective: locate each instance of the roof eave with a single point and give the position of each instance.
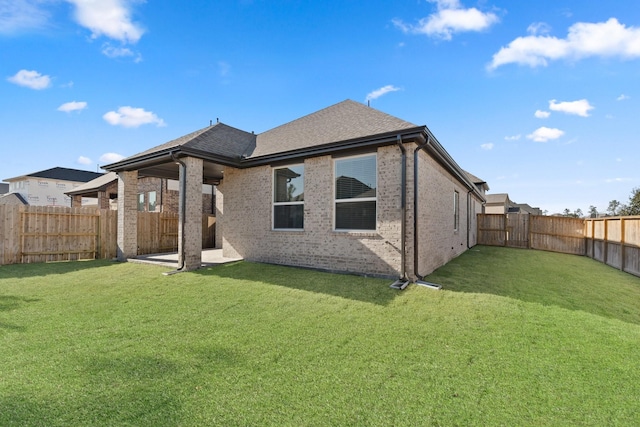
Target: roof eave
(164, 156)
(334, 147)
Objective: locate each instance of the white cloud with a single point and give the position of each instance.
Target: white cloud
(603, 39)
(21, 15)
(109, 18)
(545, 134)
(487, 146)
(513, 137)
(450, 18)
(72, 106)
(382, 91)
(31, 79)
(578, 108)
(131, 117)
(111, 157)
(82, 160)
(542, 114)
(622, 97)
(538, 28)
(119, 52)
(610, 180)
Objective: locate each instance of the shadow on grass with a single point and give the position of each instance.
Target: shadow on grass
(568, 281)
(8, 303)
(17, 271)
(358, 288)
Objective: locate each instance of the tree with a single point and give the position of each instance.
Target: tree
(633, 208)
(566, 212)
(614, 208)
(578, 213)
(593, 211)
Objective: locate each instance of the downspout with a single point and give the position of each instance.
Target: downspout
(182, 204)
(469, 218)
(402, 282)
(415, 217)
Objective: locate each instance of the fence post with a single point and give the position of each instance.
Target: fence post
(622, 244)
(506, 231)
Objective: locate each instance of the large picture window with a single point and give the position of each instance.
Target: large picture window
(288, 197)
(355, 193)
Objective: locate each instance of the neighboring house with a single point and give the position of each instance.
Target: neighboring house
(12, 199)
(4, 188)
(48, 187)
(153, 195)
(526, 209)
(500, 203)
(347, 188)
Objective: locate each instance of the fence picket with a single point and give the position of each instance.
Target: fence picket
(51, 233)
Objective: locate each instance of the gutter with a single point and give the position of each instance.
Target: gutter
(402, 282)
(469, 218)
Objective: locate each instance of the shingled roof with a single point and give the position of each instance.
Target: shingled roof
(344, 121)
(219, 139)
(63, 174)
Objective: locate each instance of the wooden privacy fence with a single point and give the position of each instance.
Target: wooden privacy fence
(49, 233)
(614, 241)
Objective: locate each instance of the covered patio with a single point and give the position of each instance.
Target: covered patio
(195, 159)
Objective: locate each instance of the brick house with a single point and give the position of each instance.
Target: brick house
(347, 188)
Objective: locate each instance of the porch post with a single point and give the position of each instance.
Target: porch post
(192, 230)
(127, 215)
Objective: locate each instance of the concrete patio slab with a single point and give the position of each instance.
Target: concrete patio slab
(210, 257)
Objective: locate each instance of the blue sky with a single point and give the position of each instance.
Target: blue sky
(540, 99)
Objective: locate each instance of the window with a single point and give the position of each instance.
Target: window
(288, 197)
(355, 193)
(141, 202)
(152, 201)
(456, 214)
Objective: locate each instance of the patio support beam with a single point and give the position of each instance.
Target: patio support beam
(190, 228)
(127, 215)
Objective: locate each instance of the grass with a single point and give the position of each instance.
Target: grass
(515, 338)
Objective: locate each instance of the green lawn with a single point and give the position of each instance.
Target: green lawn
(515, 337)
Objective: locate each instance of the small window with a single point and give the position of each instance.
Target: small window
(355, 193)
(141, 202)
(456, 210)
(288, 197)
(152, 201)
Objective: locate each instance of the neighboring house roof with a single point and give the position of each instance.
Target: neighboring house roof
(93, 186)
(498, 198)
(12, 199)
(4, 188)
(63, 174)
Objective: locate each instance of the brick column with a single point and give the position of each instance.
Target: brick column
(76, 201)
(127, 215)
(193, 215)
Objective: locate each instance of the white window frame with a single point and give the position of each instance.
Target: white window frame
(362, 199)
(274, 203)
